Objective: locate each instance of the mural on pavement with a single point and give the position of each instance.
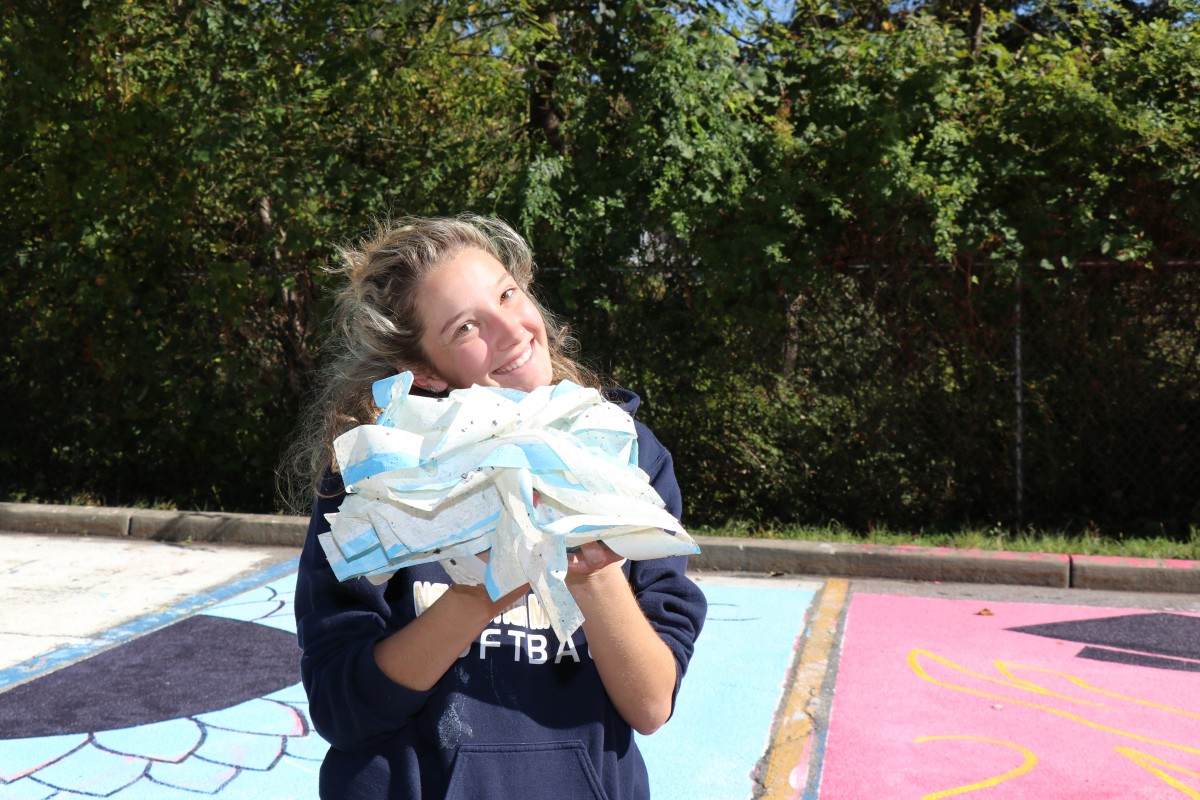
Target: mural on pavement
(228, 720)
(226, 717)
(938, 698)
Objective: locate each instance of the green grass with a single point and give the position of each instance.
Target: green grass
(1088, 542)
(89, 499)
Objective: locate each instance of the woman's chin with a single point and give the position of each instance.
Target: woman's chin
(529, 377)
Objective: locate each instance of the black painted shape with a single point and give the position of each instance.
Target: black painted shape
(1158, 633)
(1137, 660)
(193, 666)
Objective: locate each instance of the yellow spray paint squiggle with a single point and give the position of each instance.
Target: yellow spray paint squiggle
(1029, 763)
(915, 663)
(1152, 764)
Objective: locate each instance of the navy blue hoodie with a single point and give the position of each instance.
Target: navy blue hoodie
(519, 715)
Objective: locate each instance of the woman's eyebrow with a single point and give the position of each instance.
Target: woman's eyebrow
(452, 322)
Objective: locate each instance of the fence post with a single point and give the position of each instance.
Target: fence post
(1019, 402)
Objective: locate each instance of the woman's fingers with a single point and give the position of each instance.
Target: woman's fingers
(591, 557)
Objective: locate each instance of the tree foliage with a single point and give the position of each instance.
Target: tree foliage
(740, 214)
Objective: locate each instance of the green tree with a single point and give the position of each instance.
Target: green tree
(800, 240)
(172, 179)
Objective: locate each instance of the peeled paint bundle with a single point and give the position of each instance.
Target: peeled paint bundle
(524, 475)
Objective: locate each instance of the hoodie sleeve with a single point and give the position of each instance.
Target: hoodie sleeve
(351, 701)
(674, 605)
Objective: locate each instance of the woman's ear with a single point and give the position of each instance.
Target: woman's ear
(428, 381)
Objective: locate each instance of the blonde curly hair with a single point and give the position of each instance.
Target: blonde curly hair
(376, 331)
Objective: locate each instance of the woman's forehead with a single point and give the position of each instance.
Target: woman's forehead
(458, 284)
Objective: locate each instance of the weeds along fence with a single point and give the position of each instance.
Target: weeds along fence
(1074, 401)
(937, 398)
(1110, 386)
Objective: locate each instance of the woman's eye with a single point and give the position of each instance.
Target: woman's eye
(465, 328)
(508, 293)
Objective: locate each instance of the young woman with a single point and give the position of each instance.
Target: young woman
(426, 688)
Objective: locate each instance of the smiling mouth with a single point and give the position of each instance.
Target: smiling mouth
(516, 364)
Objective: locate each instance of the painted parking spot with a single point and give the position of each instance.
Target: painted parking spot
(223, 739)
(938, 698)
(231, 729)
(711, 747)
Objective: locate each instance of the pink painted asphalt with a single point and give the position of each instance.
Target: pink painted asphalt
(939, 697)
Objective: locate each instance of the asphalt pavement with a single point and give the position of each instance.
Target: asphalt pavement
(1044, 676)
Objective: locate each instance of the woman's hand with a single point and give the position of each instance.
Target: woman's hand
(420, 653)
(635, 665)
(589, 558)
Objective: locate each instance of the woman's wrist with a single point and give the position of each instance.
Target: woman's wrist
(476, 602)
(418, 654)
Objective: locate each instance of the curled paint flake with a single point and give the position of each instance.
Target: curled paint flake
(524, 475)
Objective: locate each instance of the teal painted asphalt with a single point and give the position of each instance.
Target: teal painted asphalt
(711, 747)
(265, 748)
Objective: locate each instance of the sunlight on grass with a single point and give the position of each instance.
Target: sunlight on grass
(1087, 542)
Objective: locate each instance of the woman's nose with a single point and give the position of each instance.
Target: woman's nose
(509, 329)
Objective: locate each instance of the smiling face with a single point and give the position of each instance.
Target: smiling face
(479, 327)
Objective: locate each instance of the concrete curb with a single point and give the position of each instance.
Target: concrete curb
(163, 526)
(850, 560)
(1135, 574)
(764, 556)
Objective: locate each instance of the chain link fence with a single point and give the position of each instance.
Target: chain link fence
(1071, 402)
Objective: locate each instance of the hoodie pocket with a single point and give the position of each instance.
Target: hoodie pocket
(537, 771)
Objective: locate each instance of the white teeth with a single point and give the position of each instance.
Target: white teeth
(520, 362)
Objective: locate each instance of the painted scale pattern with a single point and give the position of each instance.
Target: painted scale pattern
(254, 749)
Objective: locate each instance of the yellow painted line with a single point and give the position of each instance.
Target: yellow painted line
(783, 778)
(1030, 761)
(1147, 762)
